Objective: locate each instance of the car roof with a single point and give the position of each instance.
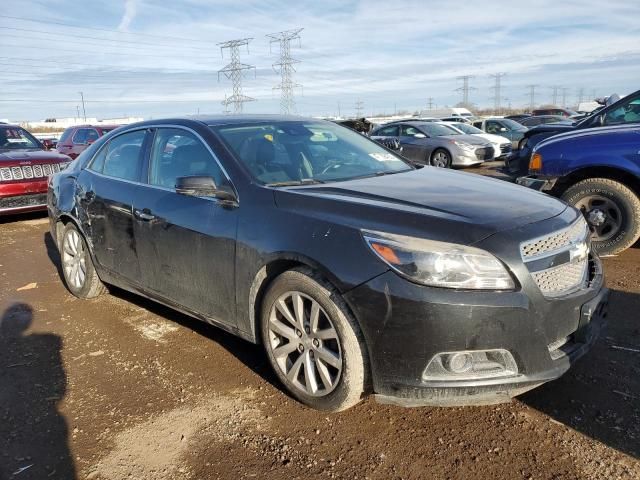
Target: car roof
(95, 126)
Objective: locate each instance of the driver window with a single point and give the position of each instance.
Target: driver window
(179, 153)
(493, 127)
(627, 113)
(80, 138)
(390, 131)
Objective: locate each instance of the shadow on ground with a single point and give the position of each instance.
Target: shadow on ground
(33, 434)
(600, 395)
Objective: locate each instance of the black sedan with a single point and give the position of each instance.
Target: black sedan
(357, 272)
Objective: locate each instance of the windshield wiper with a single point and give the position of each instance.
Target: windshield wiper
(290, 183)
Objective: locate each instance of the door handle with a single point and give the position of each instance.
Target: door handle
(144, 214)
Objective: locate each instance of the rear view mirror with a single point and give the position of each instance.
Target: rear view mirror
(203, 186)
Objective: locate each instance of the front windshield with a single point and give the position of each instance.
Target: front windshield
(283, 153)
(468, 129)
(437, 129)
(16, 138)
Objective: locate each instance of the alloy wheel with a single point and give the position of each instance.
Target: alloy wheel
(440, 159)
(603, 214)
(305, 344)
(74, 259)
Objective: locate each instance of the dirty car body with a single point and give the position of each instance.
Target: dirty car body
(366, 227)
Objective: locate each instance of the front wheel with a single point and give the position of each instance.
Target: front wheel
(440, 158)
(611, 209)
(313, 343)
(77, 267)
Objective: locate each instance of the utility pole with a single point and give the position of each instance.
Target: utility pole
(580, 95)
(84, 112)
(532, 96)
(497, 88)
(465, 88)
(359, 108)
(78, 111)
(564, 97)
(234, 71)
(339, 115)
(555, 89)
(285, 67)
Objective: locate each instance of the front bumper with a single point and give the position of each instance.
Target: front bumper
(406, 325)
(22, 197)
(542, 184)
(465, 159)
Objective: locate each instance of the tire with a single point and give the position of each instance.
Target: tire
(612, 210)
(76, 261)
(341, 379)
(440, 158)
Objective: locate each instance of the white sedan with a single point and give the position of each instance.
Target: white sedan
(501, 145)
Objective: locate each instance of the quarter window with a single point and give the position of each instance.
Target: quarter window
(179, 153)
(120, 157)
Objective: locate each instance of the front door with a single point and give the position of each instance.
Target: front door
(107, 189)
(186, 244)
(413, 144)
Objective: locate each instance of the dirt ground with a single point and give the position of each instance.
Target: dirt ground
(121, 388)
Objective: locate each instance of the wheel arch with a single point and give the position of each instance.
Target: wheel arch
(612, 173)
(271, 269)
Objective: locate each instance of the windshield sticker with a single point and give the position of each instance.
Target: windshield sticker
(383, 157)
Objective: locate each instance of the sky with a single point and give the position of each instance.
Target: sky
(158, 58)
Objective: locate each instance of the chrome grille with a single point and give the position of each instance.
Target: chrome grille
(28, 172)
(559, 262)
(562, 279)
(556, 241)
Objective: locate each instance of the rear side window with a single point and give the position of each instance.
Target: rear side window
(120, 158)
(85, 135)
(179, 153)
(390, 131)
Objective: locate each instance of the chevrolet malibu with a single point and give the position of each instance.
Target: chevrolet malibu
(357, 272)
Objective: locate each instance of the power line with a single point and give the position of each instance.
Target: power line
(102, 40)
(234, 71)
(430, 103)
(556, 90)
(93, 52)
(52, 22)
(565, 90)
(532, 96)
(497, 98)
(286, 68)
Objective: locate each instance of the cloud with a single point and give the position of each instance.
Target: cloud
(130, 10)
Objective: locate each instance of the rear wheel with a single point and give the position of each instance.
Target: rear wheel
(440, 158)
(313, 343)
(77, 267)
(612, 210)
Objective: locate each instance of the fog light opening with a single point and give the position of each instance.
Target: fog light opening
(470, 365)
(458, 362)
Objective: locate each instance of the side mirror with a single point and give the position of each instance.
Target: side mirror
(203, 186)
(47, 144)
(419, 135)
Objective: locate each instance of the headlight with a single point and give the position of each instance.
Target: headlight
(439, 264)
(466, 146)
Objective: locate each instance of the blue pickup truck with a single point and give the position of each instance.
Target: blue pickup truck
(598, 171)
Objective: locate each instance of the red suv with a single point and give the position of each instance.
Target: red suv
(25, 166)
(76, 139)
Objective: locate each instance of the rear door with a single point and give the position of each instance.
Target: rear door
(106, 189)
(186, 244)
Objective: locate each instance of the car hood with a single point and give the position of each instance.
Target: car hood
(552, 128)
(493, 138)
(470, 139)
(37, 156)
(431, 203)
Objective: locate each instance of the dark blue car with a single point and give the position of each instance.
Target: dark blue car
(598, 171)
